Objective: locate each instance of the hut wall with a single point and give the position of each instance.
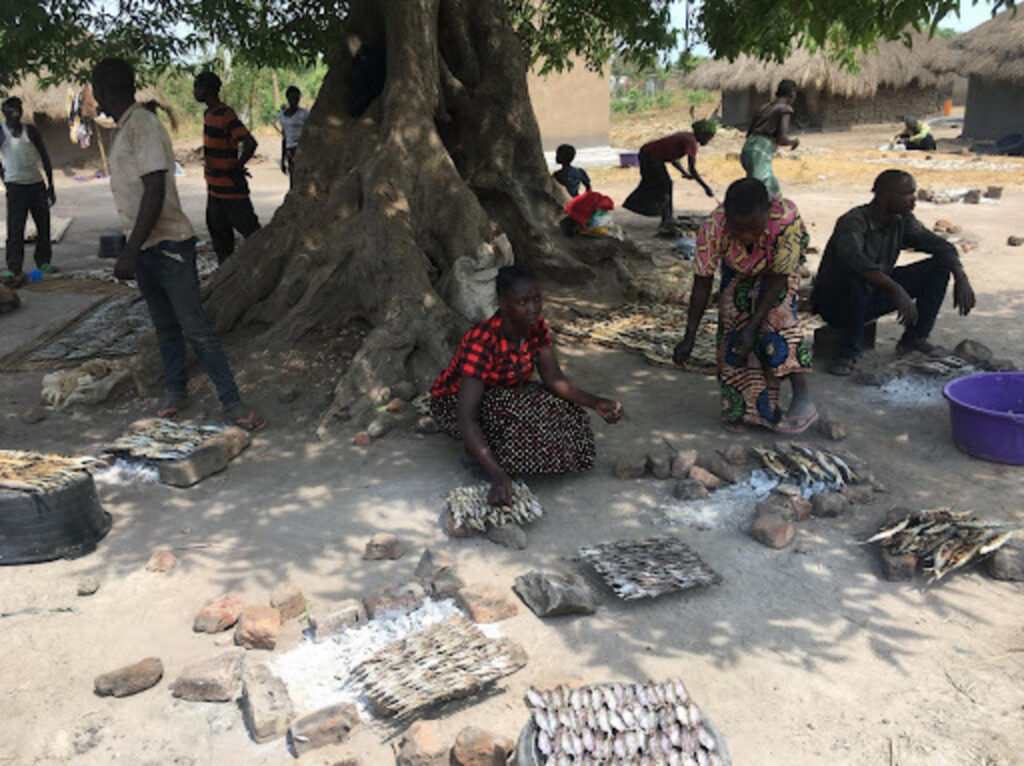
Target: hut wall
(572, 107)
(993, 108)
(62, 152)
(738, 106)
(830, 112)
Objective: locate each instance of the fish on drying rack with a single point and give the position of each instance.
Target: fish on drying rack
(649, 568)
(804, 464)
(161, 439)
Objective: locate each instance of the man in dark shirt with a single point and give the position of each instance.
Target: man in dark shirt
(858, 279)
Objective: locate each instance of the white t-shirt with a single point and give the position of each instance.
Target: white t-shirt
(21, 158)
(292, 126)
(142, 146)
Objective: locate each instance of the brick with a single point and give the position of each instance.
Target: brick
(266, 707)
(219, 614)
(708, 479)
(288, 600)
(484, 604)
(477, 747)
(205, 460)
(422, 745)
(258, 627)
(395, 598)
(327, 726)
(829, 504)
(336, 618)
(772, 529)
(217, 679)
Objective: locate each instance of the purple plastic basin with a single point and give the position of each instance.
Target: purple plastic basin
(987, 415)
(629, 159)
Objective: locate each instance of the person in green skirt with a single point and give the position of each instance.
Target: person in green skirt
(769, 130)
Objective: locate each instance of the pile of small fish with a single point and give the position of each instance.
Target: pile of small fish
(160, 439)
(37, 472)
(649, 568)
(470, 508)
(654, 331)
(943, 540)
(449, 660)
(943, 367)
(653, 723)
(422, 403)
(804, 464)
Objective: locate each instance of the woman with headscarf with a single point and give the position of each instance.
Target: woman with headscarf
(769, 130)
(757, 240)
(654, 194)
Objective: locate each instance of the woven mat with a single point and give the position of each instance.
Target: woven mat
(649, 568)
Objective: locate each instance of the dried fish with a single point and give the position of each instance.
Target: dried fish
(25, 471)
(470, 508)
(648, 568)
(161, 439)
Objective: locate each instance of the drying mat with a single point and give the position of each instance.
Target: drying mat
(58, 228)
(649, 568)
(447, 661)
(942, 540)
(16, 360)
(470, 509)
(37, 472)
(160, 439)
(652, 331)
(619, 723)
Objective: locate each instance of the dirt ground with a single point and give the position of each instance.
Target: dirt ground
(804, 656)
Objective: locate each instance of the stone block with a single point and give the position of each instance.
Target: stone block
(131, 679)
(327, 726)
(422, 745)
(772, 529)
(205, 460)
(287, 599)
(553, 594)
(219, 614)
(690, 489)
(266, 707)
(484, 604)
(217, 679)
(705, 477)
(336, 618)
(476, 747)
(682, 462)
(258, 627)
(384, 545)
(402, 597)
(630, 466)
(829, 504)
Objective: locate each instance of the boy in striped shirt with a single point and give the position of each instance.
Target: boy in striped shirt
(228, 207)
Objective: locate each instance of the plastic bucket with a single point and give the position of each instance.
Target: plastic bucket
(987, 414)
(112, 245)
(629, 159)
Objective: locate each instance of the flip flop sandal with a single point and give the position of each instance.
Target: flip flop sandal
(796, 425)
(251, 422)
(171, 410)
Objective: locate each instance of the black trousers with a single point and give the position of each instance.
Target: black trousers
(852, 305)
(226, 216)
(23, 199)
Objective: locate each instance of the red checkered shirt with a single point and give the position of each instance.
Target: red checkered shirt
(485, 353)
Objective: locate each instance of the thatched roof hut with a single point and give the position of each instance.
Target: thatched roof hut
(992, 55)
(891, 82)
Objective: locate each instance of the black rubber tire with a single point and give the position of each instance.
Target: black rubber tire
(43, 526)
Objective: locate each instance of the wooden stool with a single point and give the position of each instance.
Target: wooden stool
(827, 340)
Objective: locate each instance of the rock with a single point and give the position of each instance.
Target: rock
(344, 614)
(445, 585)
(332, 755)
(834, 430)
(777, 505)
(362, 439)
(404, 390)
(395, 598)
(205, 460)
(380, 395)
(787, 490)
(425, 424)
(476, 747)
(736, 454)
(552, 594)
(432, 563)
(219, 614)
(682, 462)
(723, 469)
(266, 707)
(1015, 241)
(88, 585)
(771, 528)
(829, 504)
(1001, 365)
(659, 465)
(288, 600)
(858, 494)
(1007, 563)
(896, 566)
(630, 466)
(395, 407)
(258, 627)
(9, 299)
(454, 531)
(689, 489)
(422, 745)
(484, 604)
(130, 679)
(973, 351)
(162, 560)
(217, 679)
(801, 506)
(288, 395)
(327, 726)
(925, 195)
(942, 226)
(708, 479)
(378, 427)
(509, 535)
(33, 416)
(973, 197)
(384, 545)
(994, 192)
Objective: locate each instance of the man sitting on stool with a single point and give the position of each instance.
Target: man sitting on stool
(858, 280)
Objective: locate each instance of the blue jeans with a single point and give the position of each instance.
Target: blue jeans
(171, 289)
(849, 308)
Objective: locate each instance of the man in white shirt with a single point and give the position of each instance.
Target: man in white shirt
(161, 248)
(291, 119)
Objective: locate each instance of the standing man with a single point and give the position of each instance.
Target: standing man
(23, 152)
(291, 119)
(654, 194)
(858, 279)
(228, 207)
(161, 248)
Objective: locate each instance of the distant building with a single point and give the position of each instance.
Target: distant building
(572, 107)
(992, 55)
(891, 83)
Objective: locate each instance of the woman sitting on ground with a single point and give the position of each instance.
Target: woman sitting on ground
(759, 242)
(510, 425)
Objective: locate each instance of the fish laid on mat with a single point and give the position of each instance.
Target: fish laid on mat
(649, 568)
(449, 660)
(470, 508)
(623, 723)
(38, 472)
(941, 539)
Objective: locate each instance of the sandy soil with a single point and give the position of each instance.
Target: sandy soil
(802, 656)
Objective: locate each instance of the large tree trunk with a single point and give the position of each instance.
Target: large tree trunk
(446, 158)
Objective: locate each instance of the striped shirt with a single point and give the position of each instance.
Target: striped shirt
(222, 132)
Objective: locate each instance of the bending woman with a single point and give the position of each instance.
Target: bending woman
(509, 424)
(758, 241)
(769, 130)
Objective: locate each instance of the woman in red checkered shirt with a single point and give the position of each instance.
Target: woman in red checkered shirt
(508, 423)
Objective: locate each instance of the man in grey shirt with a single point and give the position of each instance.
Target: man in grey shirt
(858, 279)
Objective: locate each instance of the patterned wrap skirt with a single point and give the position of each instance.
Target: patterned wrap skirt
(750, 387)
(528, 428)
(756, 158)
